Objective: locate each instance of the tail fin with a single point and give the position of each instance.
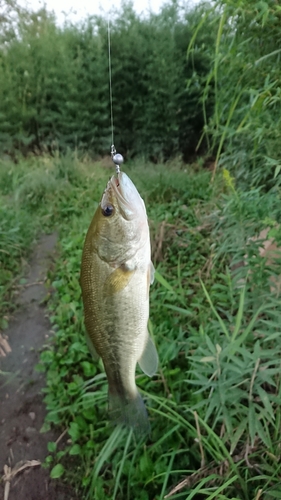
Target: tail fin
(130, 412)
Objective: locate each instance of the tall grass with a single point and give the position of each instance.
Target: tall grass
(244, 130)
(36, 195)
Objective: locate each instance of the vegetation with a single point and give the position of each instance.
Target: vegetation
(55, 84)
(214, 406)
(244, 130)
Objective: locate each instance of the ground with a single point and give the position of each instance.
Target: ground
(22, 408)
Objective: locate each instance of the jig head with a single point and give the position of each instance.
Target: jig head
(117, 159)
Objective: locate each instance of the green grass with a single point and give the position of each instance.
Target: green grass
(17, 235)
(37, 195)
(214, 405)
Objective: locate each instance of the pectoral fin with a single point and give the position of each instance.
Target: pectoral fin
(150, 277)
(152, 272)
(149, 358)
(117, 280)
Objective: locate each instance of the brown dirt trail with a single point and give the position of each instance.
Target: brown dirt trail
(22, 410)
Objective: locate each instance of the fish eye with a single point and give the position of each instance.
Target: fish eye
(108, 210)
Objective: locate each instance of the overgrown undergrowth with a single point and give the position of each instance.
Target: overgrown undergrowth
(214, 405)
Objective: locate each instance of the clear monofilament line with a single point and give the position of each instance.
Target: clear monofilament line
(116, 158)
(110, 83)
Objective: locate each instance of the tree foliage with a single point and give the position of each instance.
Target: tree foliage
(54, 83)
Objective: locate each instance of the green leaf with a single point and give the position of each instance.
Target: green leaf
(277, 171)
(75, 450)
(262, 433)
(241, 429)
(180, 310)
(145, 463)
(74, 431)
(239, 315)
(265, 400)
(274, 493)
(45, 427)
(52, 446)
(57, 471)
(88, 368)
(221, 322)
(163, 281)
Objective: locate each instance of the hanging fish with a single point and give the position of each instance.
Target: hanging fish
(116, 274)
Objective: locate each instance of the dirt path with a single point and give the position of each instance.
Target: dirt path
(22, 410)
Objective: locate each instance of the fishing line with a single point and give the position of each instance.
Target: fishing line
(110, 83)
(116, 157)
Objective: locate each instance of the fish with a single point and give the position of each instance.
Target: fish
(116, 274)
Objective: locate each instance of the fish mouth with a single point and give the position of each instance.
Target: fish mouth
(129, 201)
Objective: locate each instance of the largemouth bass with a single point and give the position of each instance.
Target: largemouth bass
(116, 274)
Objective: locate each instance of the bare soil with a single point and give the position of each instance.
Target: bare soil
(22, 410)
